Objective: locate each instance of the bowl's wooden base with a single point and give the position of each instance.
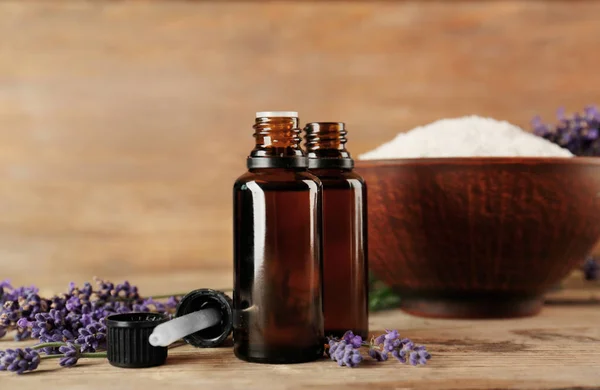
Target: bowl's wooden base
(472, 307)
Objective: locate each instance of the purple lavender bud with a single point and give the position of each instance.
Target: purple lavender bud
(377, 355)
(67, 335)
(379, 340)
(56, 337)
(172, 302)
(356, 358)
(150, 305)
(351, 356)
(408, 345)
(71, 353)
(73, 304)
(413, 358)
(423, 356)
(592, 112)
(392, 334)
(125, 290)
(92, 337)
(350, 338)
(333, 346)
(399, 355)
(579, 133)
(19, 360)
(23, 323)
(388, 346)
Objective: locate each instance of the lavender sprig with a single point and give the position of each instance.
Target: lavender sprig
(579, 133)
(74, 316)
(21, 360)
(346, 352)
(403, 349)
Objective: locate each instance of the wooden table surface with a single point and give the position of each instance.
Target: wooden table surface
(558, 349)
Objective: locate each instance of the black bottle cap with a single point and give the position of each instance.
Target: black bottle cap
(127, 340)
(204, 299)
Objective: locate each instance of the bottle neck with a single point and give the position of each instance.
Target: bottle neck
(326, 145)
(277, 144)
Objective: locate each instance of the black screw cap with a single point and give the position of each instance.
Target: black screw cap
(127, 340)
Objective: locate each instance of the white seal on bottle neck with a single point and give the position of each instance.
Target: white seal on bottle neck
(277, 114)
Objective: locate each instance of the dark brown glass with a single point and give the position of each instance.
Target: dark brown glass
(277, 251)
(345, 264)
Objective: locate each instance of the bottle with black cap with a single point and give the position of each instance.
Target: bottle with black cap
(345, 268)
(278, 315)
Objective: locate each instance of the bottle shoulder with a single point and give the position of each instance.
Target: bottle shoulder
(278, 177)
(339, 178)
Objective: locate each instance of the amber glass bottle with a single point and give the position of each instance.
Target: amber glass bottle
(277, 249)
(345, 266)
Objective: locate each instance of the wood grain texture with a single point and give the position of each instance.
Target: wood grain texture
(558, 349)
(124, 124)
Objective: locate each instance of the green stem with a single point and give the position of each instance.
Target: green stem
(48, 345)
(94, 355)
(91, 355)
(52, 356)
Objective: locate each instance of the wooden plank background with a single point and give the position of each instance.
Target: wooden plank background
(124, 124)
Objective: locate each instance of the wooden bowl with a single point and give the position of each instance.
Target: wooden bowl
(479, 237)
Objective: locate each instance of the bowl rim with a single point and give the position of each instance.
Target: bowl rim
(595, 161)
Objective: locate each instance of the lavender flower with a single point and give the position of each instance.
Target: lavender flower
(350, 338)
(71, 355)
(126, 291)
(92, 337)
(344, 354)
(19, 360)
(105, 289)
(172, 303)
(9, 314)
(17, 303)
(48, 327)
(580, 133)
(591, 269)
(148, 305)
(404, 350)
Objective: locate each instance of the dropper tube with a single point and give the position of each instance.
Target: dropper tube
(168, 332)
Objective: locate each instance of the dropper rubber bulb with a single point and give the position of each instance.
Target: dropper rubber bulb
(168, 332)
